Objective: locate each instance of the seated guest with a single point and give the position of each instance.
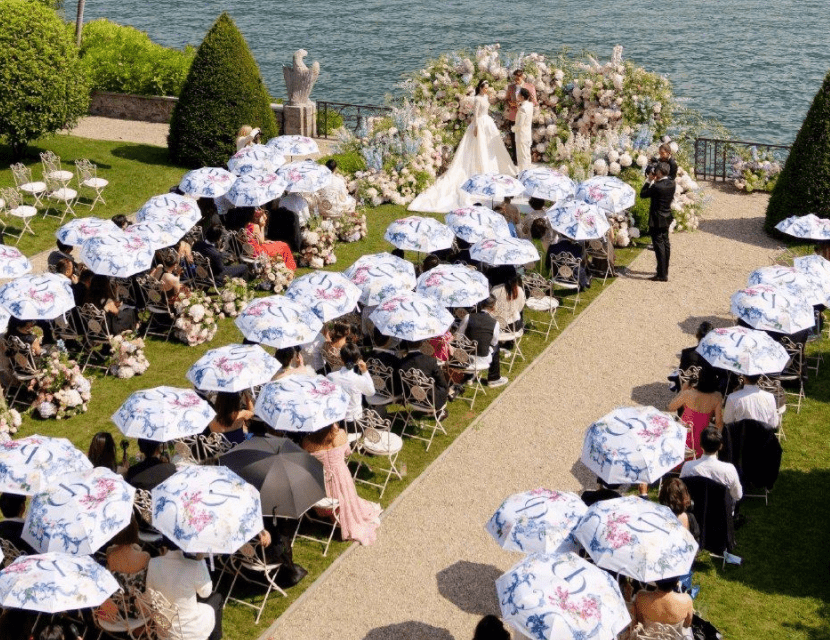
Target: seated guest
(246, 136)
(355, 380)
(13, 508)
(700, 403)
(664, 607)
(168, 273)
(333, 200)
(359, 518)
(541, 230)
(312, 353)
(180, 578)
(604, 491)
(101, 295)
(566, 245)
(441, 348)
(121, 221)
(24, 330)
(385, 353)
(102, 453)
(689, 357)
(66, 268)
(63, 252)
(255, 232)
(708, 465)
(751, 403)
(510, 213)
(233, 412)
(208, 248)
(510, 302)
(537, 212)
(293, 362)
(128, 565)
(336, 333)
(482, 327)
(298, 205)
(153, 457)
(675, 496)
(80, 289)
(414, 358)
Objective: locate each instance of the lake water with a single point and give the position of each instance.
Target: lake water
(755, 65)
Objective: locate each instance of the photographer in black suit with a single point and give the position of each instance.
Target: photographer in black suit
(660, 189)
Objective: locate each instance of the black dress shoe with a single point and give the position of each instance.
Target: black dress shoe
(658, 279)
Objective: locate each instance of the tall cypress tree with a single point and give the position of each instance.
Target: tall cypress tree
(222, 92)
(804, 184)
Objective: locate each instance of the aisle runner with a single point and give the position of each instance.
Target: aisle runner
(431, 572)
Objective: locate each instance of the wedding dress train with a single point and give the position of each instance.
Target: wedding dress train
(481, 151)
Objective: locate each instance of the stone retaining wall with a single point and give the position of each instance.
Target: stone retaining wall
(126, 106)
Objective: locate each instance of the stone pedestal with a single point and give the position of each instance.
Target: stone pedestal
(300, 120)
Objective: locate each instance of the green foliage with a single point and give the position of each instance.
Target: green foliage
(125, 60)
(348, 163)
(223, 91)
(328, 122)
(804, 184)
(635, 177)
(44, 89)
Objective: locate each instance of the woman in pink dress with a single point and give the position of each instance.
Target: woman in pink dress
(359, 518)
(699, 403)
(256, 236)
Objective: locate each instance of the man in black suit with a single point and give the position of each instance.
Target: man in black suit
(660, 189)
(428, 365)
(13, 506)
(208, 248)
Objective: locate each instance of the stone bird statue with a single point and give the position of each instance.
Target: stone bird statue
(299, 79)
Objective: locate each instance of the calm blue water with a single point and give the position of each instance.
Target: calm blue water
(753, 64)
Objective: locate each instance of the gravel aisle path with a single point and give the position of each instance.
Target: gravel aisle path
(431, 572)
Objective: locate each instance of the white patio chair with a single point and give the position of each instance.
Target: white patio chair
(23, 180)
(383, 378)
(464, 358)
(22, 367)
(161, 617)
(10, 552)
(565, 267)
(162, 314)
(540, 299)
(250, 559)
(15, 208)
(379, 441)
(326, 512)
(508, 356)
(88, 179)
(52, 169)
(59, 193)
(794, 371)
(116, 623)
(96, 335)
(419, 397)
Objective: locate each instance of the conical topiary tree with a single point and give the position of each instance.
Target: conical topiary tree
(804, 184)
(222, 92)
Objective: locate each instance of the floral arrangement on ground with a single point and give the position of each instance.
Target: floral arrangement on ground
(752, 171)
(61, 388)
(127, 357)
(351, 226)
(195, 318)
(10, 420)
(318, 240)
(593, 118)
(271, 274)
(233, 296)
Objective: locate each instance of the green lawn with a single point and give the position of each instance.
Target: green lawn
(781, 592)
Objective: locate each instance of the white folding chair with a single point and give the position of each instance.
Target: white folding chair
(378, 440)
(15, 208)
(419, 397)
(52, 169)
(88, 178)
(58, 192)
(508, 356)
(250, 559)
(327, 514)
(565, 269)
(539, 298)
(464, 358)
(23, 180)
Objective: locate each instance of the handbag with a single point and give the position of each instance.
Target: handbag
(704, 630)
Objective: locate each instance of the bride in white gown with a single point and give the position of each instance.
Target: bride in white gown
(481, 151)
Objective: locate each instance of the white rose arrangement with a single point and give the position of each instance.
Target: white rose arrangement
(195, 318)
(127, 357)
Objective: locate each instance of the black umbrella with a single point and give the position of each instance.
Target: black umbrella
(153, 476)
(289, 479)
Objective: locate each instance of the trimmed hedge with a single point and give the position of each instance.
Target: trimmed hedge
(43, 87)
(222, 92)
(125, 60)
(804, 184)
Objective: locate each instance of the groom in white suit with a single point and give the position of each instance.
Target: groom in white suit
(523, 129)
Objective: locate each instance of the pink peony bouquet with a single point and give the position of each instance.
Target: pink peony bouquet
(271, 274)
(62, 390)
(127, 357)
(233, 297)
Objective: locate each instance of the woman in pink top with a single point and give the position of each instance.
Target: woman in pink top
(699, 403)
(359, 518)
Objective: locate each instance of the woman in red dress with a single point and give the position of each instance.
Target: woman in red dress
(256, 236)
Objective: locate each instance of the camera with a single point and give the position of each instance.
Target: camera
(651, 168)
